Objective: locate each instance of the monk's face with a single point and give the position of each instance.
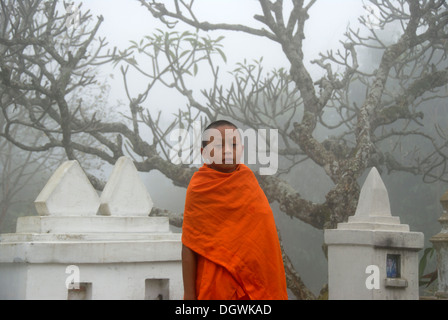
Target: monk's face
(223, 152)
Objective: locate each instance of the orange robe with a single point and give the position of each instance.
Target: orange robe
(228, 222)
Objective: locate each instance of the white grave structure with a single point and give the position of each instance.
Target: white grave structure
(373, 256)
(440, 244)
(82, 246)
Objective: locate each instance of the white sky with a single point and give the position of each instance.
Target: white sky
(126, 20)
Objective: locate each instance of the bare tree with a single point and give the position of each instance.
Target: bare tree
(46, 57)
(43, 61)
(408, 75)
(20, 170)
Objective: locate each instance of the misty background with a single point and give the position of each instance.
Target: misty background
(415, 202)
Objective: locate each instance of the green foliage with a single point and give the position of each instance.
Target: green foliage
(429, 278)
(182, 50)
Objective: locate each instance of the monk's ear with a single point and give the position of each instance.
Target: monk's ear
(202, 152)
(239, 153)
(242, 148)
(205, 157)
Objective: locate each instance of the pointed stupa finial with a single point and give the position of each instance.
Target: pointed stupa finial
(373, 211)
(68, 193)
(374, 198)
(125, 193)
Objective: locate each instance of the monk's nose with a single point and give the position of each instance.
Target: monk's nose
(228, 148)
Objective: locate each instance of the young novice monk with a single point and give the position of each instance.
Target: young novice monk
(230, 244)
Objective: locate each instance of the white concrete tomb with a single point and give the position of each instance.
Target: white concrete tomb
(373, 256)
(68, 251)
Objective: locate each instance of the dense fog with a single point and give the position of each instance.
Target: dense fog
(248, 78)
